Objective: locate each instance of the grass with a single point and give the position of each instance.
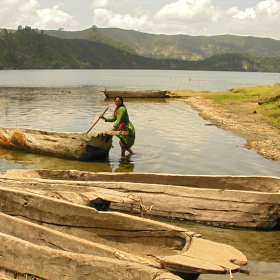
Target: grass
(264, 100)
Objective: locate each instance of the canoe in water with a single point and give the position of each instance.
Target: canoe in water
(135, 94)
(224, 201)
(113, 240)
(67, 145)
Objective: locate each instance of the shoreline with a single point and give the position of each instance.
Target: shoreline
(259, 135)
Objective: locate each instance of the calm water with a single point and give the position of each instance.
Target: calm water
(171, 137)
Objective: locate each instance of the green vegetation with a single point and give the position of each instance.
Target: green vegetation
(95, 36)
(263, 100)
(185, 47)
(29, 48)
(26, 49)
(182, 47)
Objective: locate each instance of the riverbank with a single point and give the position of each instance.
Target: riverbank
(252, 126)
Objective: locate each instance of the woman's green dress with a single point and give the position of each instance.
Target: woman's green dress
(122, 116)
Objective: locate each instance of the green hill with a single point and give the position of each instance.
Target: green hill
(29, 49)
(192, 47)
(182, 47)
(93, 35)
(40, 51)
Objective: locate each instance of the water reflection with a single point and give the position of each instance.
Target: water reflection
(125, 164)
(15, 159)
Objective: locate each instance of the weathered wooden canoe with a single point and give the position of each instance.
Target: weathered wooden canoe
(135, 94)
(224, 201)
(98, 198)
(156, 244)
(31, 250)
(77, 146)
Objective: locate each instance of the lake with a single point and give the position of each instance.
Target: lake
(170, 136)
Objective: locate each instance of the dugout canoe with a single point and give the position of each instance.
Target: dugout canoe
(157, 245)
(35, 251)
(98, 198)
(67, 145)
(224, 201)
(135, 93)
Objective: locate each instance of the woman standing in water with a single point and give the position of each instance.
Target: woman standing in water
(122, 123)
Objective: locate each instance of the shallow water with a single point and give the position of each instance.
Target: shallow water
(171, 136)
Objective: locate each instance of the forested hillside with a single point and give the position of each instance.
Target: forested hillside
(192, 47)
(27, 50)
(182, 47)
(30, 49)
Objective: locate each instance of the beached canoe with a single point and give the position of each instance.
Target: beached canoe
(135, 93)
(157, 245)
(76, 146)
(224, 201)
(32, 251)
(98, 198)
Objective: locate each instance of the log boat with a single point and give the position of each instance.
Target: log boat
(223, 201)
(75, 146)
(135, 93)
(139, 244)
(38, 252)
(98, 198)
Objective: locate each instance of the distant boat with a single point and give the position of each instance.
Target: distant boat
(67, 145)
(135, 94)
(224, 201)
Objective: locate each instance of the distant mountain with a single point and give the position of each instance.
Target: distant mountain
(182, 47)
(192, 47)
(20, 50)
(91, 34)
(62, 34)
(30, 49)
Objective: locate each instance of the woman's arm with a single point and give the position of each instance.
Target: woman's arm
(109, 119)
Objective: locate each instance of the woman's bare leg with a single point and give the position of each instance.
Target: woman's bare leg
(122, 147)
(129, 150)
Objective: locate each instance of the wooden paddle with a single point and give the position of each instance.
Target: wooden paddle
(96, 121)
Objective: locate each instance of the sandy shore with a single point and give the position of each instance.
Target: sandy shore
(262, 137)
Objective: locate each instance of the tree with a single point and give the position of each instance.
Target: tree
(27, 29)
(4, 31)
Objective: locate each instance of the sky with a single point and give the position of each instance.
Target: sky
(258, 18)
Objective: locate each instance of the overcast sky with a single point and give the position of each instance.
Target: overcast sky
(259, 18)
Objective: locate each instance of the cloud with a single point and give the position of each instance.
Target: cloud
(187, 17)
(104, 17)
(182, 16)
(96, 4)
(261, 20)
(188, 11)
(197, 17)
(192, 17)
(28, 12)
(51, 18)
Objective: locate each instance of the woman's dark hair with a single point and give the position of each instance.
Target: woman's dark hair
(121, 99)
